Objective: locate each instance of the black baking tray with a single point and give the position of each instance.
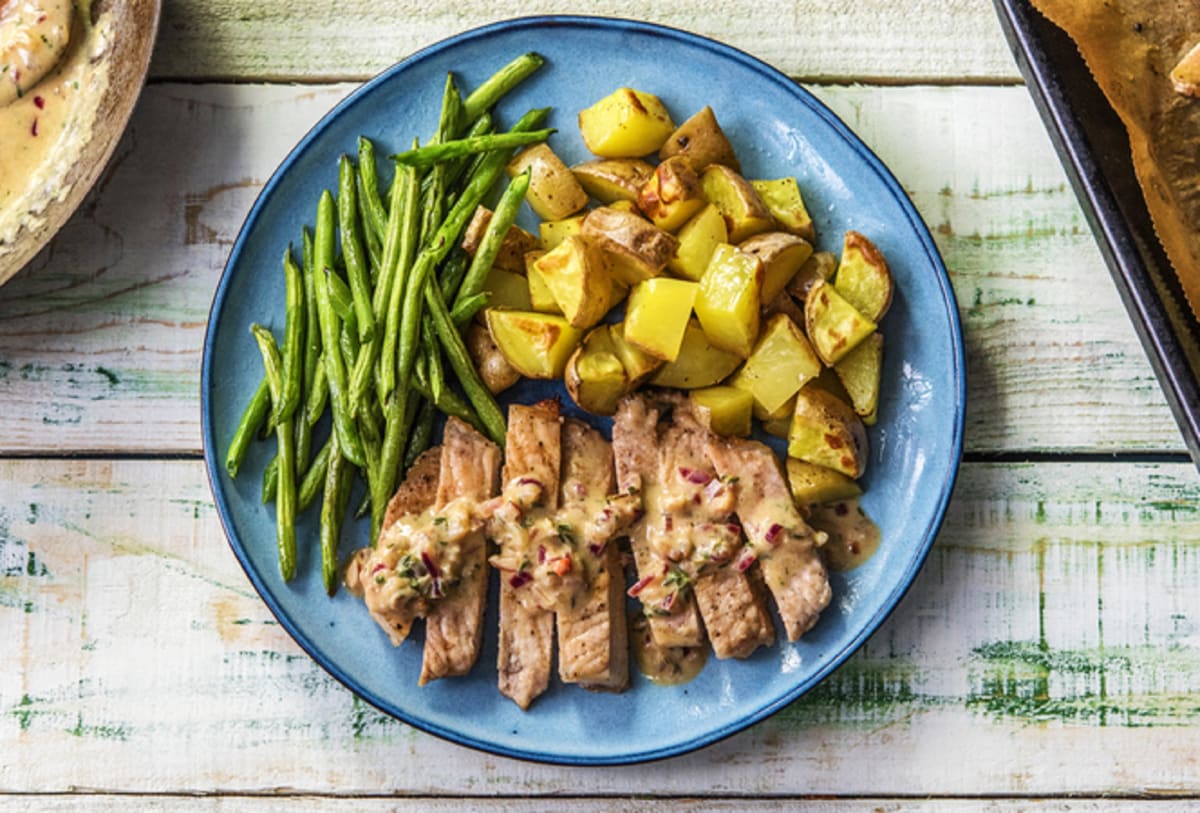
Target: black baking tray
(1094, 148)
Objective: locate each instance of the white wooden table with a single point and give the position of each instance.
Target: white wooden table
(1050, 648)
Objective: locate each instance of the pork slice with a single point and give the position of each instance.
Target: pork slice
(414, 495)
(593, 642)
(469, 465)
(636, 458)
(785, 546)
(533, 449)
(735, 614)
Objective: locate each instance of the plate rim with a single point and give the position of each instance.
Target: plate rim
(214, 470)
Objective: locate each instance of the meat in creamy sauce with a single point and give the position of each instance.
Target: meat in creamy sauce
(52, 74)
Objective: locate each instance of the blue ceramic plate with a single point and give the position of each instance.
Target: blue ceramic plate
(779, 129)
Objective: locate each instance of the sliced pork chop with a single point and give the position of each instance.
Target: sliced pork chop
(636, 455)
(469, 464)
(735, 614)
(593, 641)
(533, 453)
(785, 546)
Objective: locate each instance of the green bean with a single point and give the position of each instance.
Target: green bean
(455, 169)
(464, 311)
(340, 297)
(453, 269)
(343, 424)
(434, 153)
(318, 394)
(270, 480)
(500, 83)
(433, 356)
(348, 343)
(460, 360)
(493, 237)
(312, 323)
(405, 209)
(252, 418)
(314, 477)
(422, 433)
(352, 248)
(285, 491)
(450, 403)
(333, 509)
(293, 341)
(375, 214)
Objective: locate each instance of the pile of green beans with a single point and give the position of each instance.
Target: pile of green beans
(374, 317)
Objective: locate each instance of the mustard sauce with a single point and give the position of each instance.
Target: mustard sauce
(853, 536)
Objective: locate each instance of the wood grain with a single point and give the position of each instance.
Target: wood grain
(100, 338)
(1050, 645)
(839, 40)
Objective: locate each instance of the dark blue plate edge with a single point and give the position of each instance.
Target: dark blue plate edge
(215, 469)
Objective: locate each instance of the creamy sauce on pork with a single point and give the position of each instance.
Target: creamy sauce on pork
(664, 665)
(853, 536)
(52, 77)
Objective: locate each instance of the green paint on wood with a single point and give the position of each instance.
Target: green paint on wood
(103, 732)
(367, 722)
(113, 380)
(24, 712)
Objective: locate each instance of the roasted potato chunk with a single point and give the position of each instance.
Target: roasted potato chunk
(782, 256)
(783, 199)
(541, 298)
(726, 408)
(577, 276)
(744, 211)
(727, 303)
(698, 238)
(595, 378)
(825, 431)
(516, 242)
(507, 290)
(701, 141)
(671, 195)
(639, 365)
(816, 485)
(834, 326)
(782, 362)
(625, 124)
(859, 371)
(819, 267)
(656, 315)
(863, 277)
(497, 374)
(636, 248)
(553, 191)
(699, 364)
(552, 232)
(611, 179)
(536, 344)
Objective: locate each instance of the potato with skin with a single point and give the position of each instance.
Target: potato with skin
(782, 256)
(782, 362)
(517, 241)
(699, 364)
(744, 211)
(816, 485)
(625, 124)
(833, 325)
(577, 276)
(656, 315)
(611, 179)
(698, 238)
(497, 374)
(538, 345)
(817, 268)
(727, 303)
(636, 248)
(552, 232)
(782, 196)
(671, 195)
(594, 377)
(863, 277)
(859, 371)
(701, 141)
(639, 365)
(826, 431)
(553, 193)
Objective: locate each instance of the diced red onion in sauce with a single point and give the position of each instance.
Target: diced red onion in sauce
(520, 579)
(639, 586)
(696, 476)
(773, 534)
(431, 565)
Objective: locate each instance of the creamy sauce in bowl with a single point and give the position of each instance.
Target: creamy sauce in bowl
(53, 77)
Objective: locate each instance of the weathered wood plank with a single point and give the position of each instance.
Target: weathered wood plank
(617, 804)
(1050, 645)
(839, 40)
(100, 337)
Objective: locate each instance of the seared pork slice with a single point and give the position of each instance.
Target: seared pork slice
(735, 614)
(454, 624)
(533, 454)
(785, 546)
(636, 456)
(593, 641)
(416, 494)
